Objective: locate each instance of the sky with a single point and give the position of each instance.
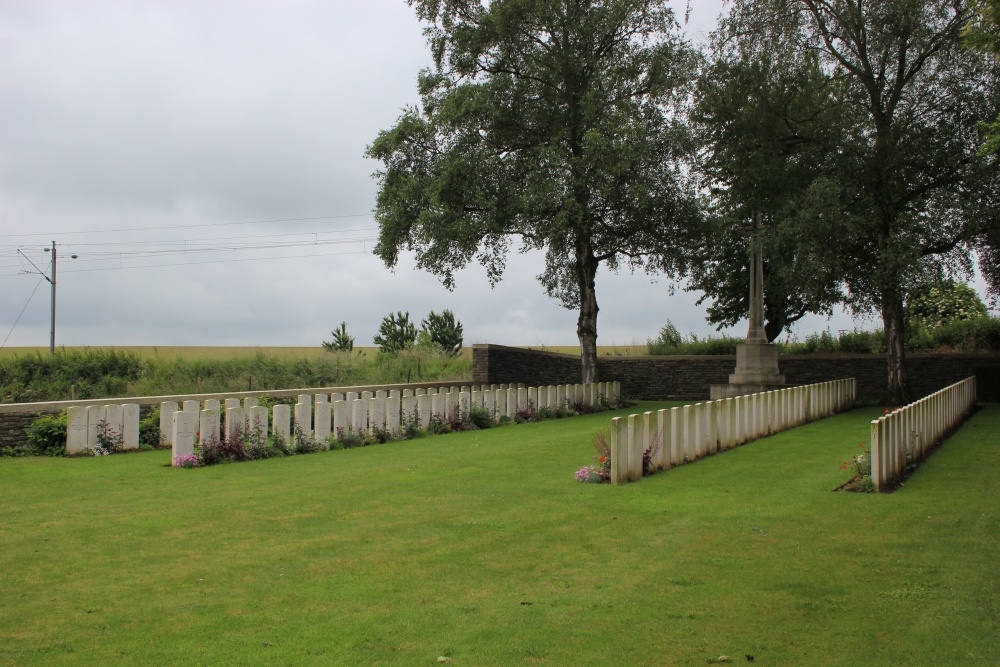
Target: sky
(205, 163)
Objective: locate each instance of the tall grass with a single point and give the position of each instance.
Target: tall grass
(107, 373)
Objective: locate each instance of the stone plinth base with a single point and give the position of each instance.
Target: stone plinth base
(756, 371)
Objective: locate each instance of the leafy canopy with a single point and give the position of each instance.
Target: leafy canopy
(548, 125)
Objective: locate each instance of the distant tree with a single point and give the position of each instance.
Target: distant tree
(554, 123)
(983, 33)
(396, 333)
(444, 331)
(341, 341)
(942, 302)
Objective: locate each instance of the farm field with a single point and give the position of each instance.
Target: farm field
(480, 547)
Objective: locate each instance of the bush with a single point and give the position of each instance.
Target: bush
(444, 331)
(150, 436)
(396, 333)
(47, 435)
(480, 417)
(341, 342)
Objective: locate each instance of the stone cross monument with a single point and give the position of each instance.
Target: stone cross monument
(756, 360)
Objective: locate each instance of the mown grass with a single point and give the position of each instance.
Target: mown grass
(479, 546)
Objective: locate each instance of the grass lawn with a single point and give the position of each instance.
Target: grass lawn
(481, 547)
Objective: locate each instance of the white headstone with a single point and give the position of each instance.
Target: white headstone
(424, 409)
(130, 425)
(250, 402)
(323, 420)
(257, 424)
(376, 412)
(167, 410)
(341, 419)
(235, 422)
(392, 414)
(381, 393)
(359, 415)
(407, 409)
(303, 418)
(438, 407)
(231, 403)
(337, 396)
(282, 417)
(113, 415)
(95, 415)
(76, 429)
(212, 404)
(208, 426)
(183, 442)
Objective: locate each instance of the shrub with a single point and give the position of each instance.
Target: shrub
(150, 436)
(480, 417)
(939, 303)
(46, 436)
(438, 425)
(340, 342)
(396, 333)
(109, 439)
(601, 472)
(525, 414)
(444, 331)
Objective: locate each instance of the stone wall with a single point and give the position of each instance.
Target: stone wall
(689, 377)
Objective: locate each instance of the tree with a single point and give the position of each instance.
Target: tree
(936, 304)
(911, 184)
(763, 115)
(983, 33)
(341, 341)
(552, 123)
(444, 332)
(396, 333)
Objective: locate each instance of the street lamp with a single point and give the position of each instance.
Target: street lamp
(52, 281)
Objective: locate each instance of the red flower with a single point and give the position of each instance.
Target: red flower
(602, 459)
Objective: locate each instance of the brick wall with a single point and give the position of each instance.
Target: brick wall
(689, 377)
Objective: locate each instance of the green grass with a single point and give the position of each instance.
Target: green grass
(481, 547)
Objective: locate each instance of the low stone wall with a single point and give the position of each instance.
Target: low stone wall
(690, 377)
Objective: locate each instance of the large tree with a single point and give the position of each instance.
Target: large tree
(764, 115)
(913, 188)
(548, 123)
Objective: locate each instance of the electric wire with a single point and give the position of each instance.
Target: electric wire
(4, 344)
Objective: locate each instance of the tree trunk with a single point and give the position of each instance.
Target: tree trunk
(586, 324)
(898, 392)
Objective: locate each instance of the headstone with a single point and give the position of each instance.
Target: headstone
(230, 403)
(381, 393)
(376, 412)
(95, 415)
(450, 405)
(351, 396)
(257, 423)
(394, 393)
(359, 415)
(183, 443)
(561, 396)
(501, 402)
(424, 409)
(282, 417)
(304, 416)
(522, 400)
(303, 419)
(477, 399)
(663, 432)
(438, 407)
(367, 396)
(490, 402)
(235, 422)
(635, 440)
(676, 437)
(76, 429)
(337, 396)
(408, 409)
(512, 405)
(167, 410)
(392, 405)
(419, 391)
(464, 403)
(113, 415)
(250, 402)
(341, 419)
(194, 408)
(323, 420)
(407, 393)
(212, 404)
(208, 426)
(308, 400)
(130, 425)
(321, 398)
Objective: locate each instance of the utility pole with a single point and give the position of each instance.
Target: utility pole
(52, 281)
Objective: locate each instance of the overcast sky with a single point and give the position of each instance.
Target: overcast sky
(153, 139)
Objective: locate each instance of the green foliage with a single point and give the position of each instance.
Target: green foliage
(51, 377)
(668, 339)
(939, 303)
(669, 342)
(340, 341)
(46, 436)
(444, 331)
(80, 374)
(572, 150)
(149, 430)
(396, 333)
(480, 417)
